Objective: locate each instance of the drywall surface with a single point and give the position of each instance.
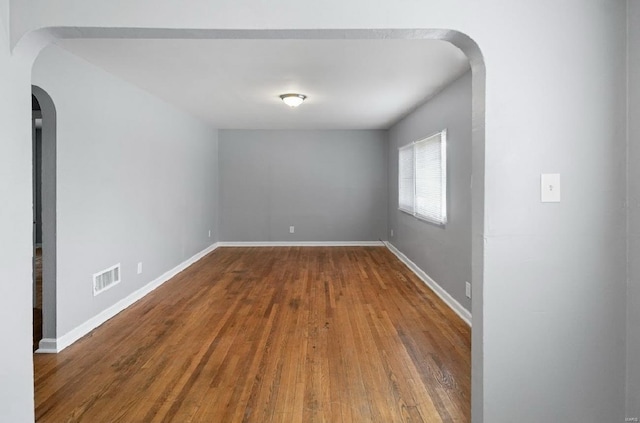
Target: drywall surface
(16, 235)
(633, 180)
(329, 185)
(136, 182)
(549, 333)
(443, 252)
(4, 21)
(37, 174)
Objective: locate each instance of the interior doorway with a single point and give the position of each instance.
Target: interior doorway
(36, 132)
(44, 218)
(473, 53)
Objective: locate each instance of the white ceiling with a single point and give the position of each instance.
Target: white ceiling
(235, 84)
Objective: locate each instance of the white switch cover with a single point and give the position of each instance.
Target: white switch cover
(139, 268)
(391, 232)
(550, 188)
(209, 233)
(467, 289)
(291, 229)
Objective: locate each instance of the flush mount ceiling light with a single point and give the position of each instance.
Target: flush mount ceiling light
(293, 100)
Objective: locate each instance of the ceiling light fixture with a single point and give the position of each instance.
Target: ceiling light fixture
(293, 100)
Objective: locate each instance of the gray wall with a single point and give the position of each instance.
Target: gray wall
(136, 182)
(633, 180)
(444, 253)
(37, 183)
(330, 185)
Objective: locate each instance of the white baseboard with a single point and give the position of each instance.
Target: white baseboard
(302, 244)
(440, 292)
(55, 345)
(49, 345)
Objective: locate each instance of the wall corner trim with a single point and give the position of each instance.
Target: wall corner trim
(56, 345)
(439, 291)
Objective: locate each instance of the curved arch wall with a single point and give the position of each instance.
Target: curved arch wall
(552, 343)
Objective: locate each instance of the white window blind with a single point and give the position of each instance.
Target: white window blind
(431, 178)
(423, 178)
(406, 188)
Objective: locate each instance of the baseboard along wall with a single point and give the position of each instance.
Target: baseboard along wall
(302, 244)
(439, 291)
(48, 345)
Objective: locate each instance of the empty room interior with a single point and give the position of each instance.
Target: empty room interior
(274, 235)
(267, 211)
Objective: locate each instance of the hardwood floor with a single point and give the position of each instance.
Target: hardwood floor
(289, 334)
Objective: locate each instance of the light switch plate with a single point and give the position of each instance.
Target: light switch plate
(550, 188)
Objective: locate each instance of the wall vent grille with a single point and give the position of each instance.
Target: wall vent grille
(106, 279)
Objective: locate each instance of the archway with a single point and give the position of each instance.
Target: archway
(48, 215)
(463, 42)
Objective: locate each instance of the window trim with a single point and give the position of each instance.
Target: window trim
(443, 161)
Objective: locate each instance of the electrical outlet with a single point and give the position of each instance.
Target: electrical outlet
(467, 289)
(292, 229)
(391, 232)
(139, 268)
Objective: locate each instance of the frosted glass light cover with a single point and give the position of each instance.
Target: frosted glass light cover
(293, 100)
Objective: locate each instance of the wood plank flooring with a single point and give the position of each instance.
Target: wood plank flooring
(290, 334)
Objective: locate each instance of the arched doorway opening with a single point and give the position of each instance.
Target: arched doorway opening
(44, 196)
(478, 77)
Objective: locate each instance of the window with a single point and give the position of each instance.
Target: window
(422, 178)
(406, 179)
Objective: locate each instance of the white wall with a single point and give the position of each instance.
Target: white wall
(136, 182)
(4, 20)
(329, 185)
(442, 252)
(633, 160)
(16, 365)
(554, 279)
